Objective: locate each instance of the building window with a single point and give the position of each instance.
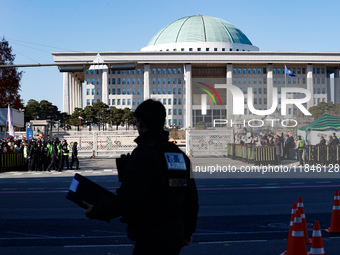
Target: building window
(139, 91)
(244, 90)
(93, 81)
(174, 81)
(175, 101)
(174, 91)
(169, 111)
(179, 101)
(164, 101)
(139, 101)
(88, 102)
(169, 91)
(87, 71)
(179, 80)
(129, 101)
(265, 100)
(128, 81)
(88, 92)
(118, 91)
(139, 81)
(98, 100)
(169, 101)
(113, 91)
(133, 91)
(179, 111)
(93, 91)
(113, 101)
(164, 91)
(159, 91)
(134, 101)
(93, 101)
(198, 49)
(98, 81)
(129, 91)
(259, 70)
(118, 101)
(153, 80)
(124, 92)
(109, 91)
(88, 81)
(93, 71)
(175, 112)
(124, 102)
(179, 71)
(169, 70)
(98, 92)
(154, 92)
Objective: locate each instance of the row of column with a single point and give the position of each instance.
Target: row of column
(72, 89)
(72, 93)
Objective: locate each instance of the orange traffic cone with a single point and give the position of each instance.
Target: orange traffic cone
(335, 221)
(317, 244)
(291, 224)
(297, 245)
(303, 217)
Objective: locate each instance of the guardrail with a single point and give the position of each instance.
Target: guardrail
(252, 154)
(12, 161)
(323, 155)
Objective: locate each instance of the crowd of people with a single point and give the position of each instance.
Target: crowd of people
(43, 155)
(283, 144)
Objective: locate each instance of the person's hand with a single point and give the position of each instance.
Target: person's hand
(187, 241)
(88, 210)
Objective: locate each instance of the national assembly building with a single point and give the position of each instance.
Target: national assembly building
(185, 65)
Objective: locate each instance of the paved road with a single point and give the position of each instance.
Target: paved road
(237, 215)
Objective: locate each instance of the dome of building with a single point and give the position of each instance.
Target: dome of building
(200, 33)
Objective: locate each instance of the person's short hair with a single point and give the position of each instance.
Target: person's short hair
(152, 113)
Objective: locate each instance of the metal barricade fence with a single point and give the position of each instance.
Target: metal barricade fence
(323, 155)
(102, 143)
(208, 142)
(252, 154)
(12, 161)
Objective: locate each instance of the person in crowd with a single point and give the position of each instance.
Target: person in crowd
(75, 156)
(286, 148)
(54, 157)
(300, 147)
(335, 140)
(34, 156)
(330, 140)
(277, 144)
(322, 141)
(65, 152)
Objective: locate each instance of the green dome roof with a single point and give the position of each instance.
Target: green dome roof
(199, 28)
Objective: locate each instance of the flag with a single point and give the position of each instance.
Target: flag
(10, 123)
(290, 73)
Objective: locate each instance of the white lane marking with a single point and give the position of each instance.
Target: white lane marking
(238, 233)
(89, 246)
(35, 188)
(226, 242)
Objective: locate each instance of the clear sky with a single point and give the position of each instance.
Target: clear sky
(36, 28)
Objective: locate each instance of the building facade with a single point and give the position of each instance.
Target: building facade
(183, 67)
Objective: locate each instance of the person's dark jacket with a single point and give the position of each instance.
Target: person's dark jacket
(54, 152)
(74, 151)
(322, 142)
(277, 144)
(334, 141)
(154, 211)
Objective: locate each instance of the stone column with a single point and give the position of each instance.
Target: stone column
(81, 94)
(66, 93)
(76, 84)
(310, 85)
(72, 93)
(336, 86)
(188, 95)
(229, 94)
(146, 81)
(270, 86)
(105, 94)
(328, 91)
